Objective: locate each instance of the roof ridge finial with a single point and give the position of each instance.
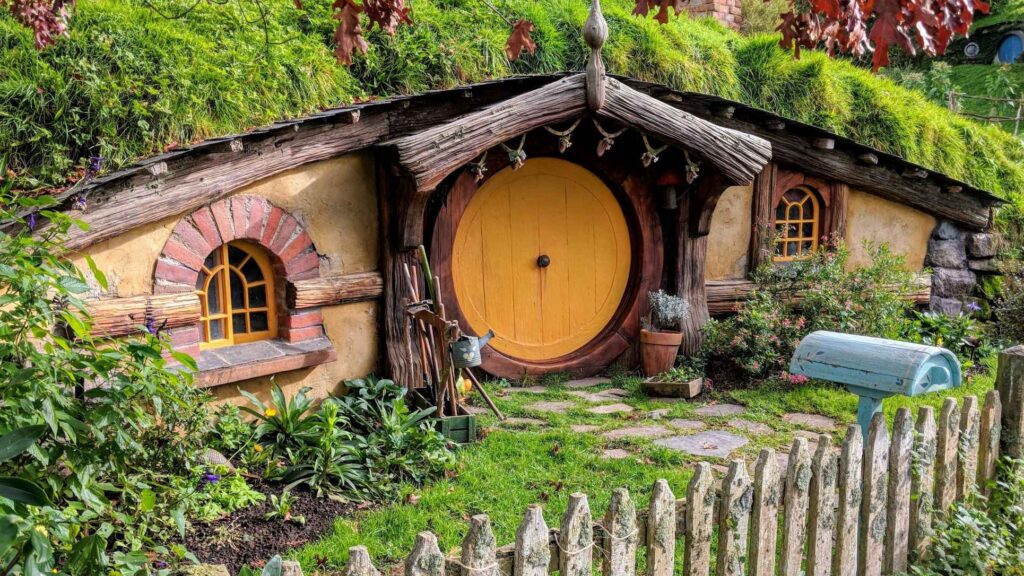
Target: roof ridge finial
(595, 32)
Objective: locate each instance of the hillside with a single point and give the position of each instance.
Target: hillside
(130, 83)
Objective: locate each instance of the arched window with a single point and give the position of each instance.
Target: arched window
(1010, 48)
(236, 291)
(797, 224)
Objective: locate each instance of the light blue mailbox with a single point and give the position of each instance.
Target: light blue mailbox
(875, 368)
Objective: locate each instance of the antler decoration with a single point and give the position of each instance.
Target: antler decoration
(479, 168)
(607, 138)
(692, 168)
(564, 136)
(651, 154)
(516, 156)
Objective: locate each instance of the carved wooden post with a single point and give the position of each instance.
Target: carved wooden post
(661, 531)
(621, 534)
(821, 520)
(700, 507)
(844, 560)
(796, 500)
(922, 483)
(532, 552)
(1010, 383)
(479, 548)
(426, 558)
(595, 32)
(576, 538)
(764, 522)
(734, 521)
(695, 210)
(897, 535)
(873, 503)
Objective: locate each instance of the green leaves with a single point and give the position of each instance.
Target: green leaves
(8, 532)
(22, 491)
(18, 441)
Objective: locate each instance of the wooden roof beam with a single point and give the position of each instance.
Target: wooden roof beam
(738, 156)
(434, 153)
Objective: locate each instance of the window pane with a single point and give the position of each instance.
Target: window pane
(795, 195)
(238, 323)
(791, 248)
(808, 231)
(217, 329)
(778, 248)
(780, 211)
(252, 271)
(780, 230)
(201, 281)
(213, 294)
(237, 291)
(213, 260)
(808, 210)
(258, 296)
(806, 248)
(258, 320)
(794, 212)
(236, 255)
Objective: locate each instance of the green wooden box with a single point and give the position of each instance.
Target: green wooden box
(461, 429)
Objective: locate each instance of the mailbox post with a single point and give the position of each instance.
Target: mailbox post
(875, 368)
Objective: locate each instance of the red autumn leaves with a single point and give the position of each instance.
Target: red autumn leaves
(348, 36)
(860, 26)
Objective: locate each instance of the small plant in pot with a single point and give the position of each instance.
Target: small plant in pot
(660, 336)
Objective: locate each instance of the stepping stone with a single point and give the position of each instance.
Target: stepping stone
(603, 395)
(637, 432)
(477, 409)
(659, 413)
(618, 408)
(524, 421)
(615, 454)
(556, 407)
(530, 389)
(750, 426)
(583, 428)
(714, 443)
(684, 424)
(815, 421)
(812, 437)
(587, 382)
(721, 410)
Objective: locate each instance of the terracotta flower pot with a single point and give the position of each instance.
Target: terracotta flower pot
(658, 351)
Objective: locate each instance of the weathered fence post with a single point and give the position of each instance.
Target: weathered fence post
(898, 528)
(576, 538)
(700, 507)
(359, 563)
(661, 531)
(426, 558)
(479, 548)
(988, 449)
(764, 522)
(946, 455)
(873, 504)
(734, 520)
(532, 555)
(1010, 383)
(922, 482)
(967, 466)
(844, 560)
(620, 534)
(794, 527)
(821, 520)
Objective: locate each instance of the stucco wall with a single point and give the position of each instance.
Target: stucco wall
(336, 201)
(729, 240)
(874, 219)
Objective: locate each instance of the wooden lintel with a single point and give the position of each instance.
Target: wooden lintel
(332, 290)
(122, 316)
(736, 155)
(725, 295)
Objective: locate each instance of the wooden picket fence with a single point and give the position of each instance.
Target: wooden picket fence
(861, 509)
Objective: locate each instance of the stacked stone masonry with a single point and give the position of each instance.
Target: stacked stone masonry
(958, 259)
(728, 12)
(242, 217)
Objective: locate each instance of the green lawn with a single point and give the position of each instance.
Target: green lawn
(519, 464)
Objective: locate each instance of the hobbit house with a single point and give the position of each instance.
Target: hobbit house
(548, 205)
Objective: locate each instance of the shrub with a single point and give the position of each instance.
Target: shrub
(1011, 309)
(978, 538)
(760, 339)
(667, 311)
(118, 424)
(214, 492)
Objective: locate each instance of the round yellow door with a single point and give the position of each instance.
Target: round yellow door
(542, 257)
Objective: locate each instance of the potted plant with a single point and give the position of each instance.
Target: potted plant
(660, 335)
(677, 382)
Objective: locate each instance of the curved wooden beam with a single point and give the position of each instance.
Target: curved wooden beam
(738, 156)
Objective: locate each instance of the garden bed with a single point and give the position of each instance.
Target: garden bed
(247, 537)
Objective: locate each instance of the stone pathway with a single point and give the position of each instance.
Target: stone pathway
(530, 389)
(684, 424)
(715, 443)
(587, 382)
(637, 432)
(659, 413)
(720, 410)
(602, 396)
(583, 428)
(615, 454)
(750, 426)
(557, 407)
(515, 421)
(816, 421)
(617, 408)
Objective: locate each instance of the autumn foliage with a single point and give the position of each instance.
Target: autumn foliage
(855, 27)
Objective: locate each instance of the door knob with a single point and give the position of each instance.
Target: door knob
(543, 261)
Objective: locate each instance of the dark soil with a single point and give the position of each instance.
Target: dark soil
(246, 537)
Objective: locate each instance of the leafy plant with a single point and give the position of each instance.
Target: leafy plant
(330, 462)
(281, 508)
(667, 312)
(959, 334)
(284, 427)
(231, 434)
(117, 424)
(214, 493)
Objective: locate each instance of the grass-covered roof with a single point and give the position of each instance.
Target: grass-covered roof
(1001, 12)
(129, 83)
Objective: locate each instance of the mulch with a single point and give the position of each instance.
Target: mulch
(246, 537)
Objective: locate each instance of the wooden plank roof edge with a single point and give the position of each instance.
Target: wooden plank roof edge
(656, 90)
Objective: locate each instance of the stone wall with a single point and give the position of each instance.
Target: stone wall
(958, 259)
(727, 12)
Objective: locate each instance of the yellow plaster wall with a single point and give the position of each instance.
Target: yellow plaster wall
(729, 240)
(874, 219)
(337, 202)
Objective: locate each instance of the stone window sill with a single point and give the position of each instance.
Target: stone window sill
(219, 366)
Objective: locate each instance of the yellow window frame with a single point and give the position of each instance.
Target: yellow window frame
(783, 226)
(227, 271)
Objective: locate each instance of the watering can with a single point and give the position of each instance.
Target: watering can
(466, 350)
(875, 368)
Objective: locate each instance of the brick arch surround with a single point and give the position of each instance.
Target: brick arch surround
(241, 217)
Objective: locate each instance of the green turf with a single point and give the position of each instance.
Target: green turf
(517, 465)
(1001, 11)
(128, 83)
